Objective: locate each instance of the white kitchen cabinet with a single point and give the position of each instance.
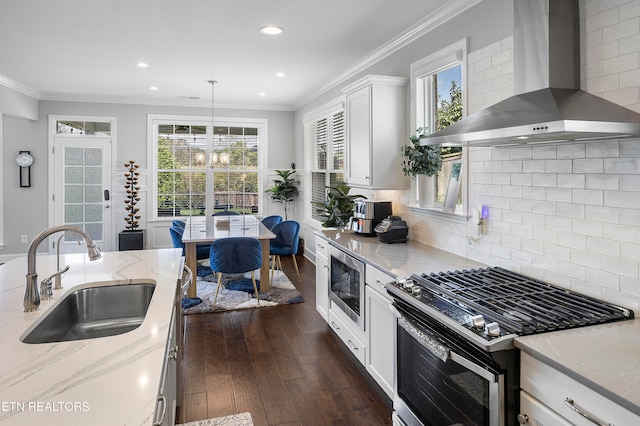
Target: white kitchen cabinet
(380, 330)
(375, 122)
(346, 330)
(166, 405)
(322, 278)
(553, 389)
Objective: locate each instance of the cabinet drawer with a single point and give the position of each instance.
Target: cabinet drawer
(377, 279)
(322, 246)
(354, 343)
(552, 387)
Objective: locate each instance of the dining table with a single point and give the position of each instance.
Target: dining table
(206, 229)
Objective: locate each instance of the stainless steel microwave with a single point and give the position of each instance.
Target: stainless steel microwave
(346, 284)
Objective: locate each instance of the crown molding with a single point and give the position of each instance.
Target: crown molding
(442, 15)
(19, 87)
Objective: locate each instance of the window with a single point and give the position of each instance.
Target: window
(323, 155)
(200, 170)
(438, 101)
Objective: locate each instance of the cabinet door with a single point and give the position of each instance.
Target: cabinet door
(322, 285)
(381, 335)
(358, 118)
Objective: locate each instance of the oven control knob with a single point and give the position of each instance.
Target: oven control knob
(477, 321)
(493, 329)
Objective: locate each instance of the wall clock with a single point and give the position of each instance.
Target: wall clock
(25, 160)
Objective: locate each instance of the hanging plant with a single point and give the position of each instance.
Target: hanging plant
(420, 159)
(131, 199)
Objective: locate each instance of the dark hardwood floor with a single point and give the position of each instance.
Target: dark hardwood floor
(283, 364)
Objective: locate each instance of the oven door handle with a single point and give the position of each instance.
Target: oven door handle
(442, 351)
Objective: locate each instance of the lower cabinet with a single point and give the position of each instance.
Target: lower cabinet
(547, 391)
(351, 337)
(380, 328)
(322, 279)
(167, 394)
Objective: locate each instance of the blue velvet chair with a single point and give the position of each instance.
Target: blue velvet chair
(285, 244)
(202, 250)
(177, 223)
(236, 255)
(271, 221)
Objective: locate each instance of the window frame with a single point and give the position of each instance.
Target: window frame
(153, 120)
(327, 111)
(423, 111)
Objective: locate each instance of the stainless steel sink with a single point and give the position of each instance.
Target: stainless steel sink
(92, 312)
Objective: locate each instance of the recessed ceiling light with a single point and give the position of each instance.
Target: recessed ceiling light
(280, 74)
(142, 65)
(153, 88)
(271, 30)
(262, 94)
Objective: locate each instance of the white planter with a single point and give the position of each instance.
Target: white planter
(425, 191)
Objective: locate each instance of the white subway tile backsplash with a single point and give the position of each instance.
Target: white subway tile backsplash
(623, 233)
(588, 165)
(603, 278)
(603, 84)
(571, 240)
(543, 152)
(585, 258)
(571, 151)
(587, 227)
(588, 196)
(608, 182)
(532, 246)
(629, 183)
(600, 20)
(533, 219)
(621, 63)
(601, 214)
(533, 166)
(622, 199)
(571, 181)
(622, 29)
(512, 191)
(603, 149)
(630, 44)
(544, 180)
(558, 166)
(574, 211)
(630, 251)
(601, 52)
(630, 147)
(532, 192)
(543, 207)
(563, 195)
(629, 217)
(627, 268)
(630, 286)
(557, 223)
(603, 246)
(571, 270)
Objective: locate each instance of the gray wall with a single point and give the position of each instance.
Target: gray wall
(26, 208)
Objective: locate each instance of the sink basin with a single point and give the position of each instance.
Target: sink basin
(92, 312)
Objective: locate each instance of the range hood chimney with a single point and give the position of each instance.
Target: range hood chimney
(549, 106)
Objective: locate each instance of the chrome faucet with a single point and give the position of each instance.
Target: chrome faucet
(31, 294)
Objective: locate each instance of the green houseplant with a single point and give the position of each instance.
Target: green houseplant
(285, 189)
(417, 159)
(338, 208)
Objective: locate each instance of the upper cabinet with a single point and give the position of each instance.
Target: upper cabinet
(375, 118)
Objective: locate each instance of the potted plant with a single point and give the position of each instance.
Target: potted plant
(338, 209)
(284, 190)
(420, 160)
(131, 238)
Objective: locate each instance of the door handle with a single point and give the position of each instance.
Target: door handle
(106, 195)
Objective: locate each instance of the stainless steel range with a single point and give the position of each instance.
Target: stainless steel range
(457, 364)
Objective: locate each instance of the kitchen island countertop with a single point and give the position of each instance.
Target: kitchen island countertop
(105, 381)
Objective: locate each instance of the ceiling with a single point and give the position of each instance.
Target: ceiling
(89, 50)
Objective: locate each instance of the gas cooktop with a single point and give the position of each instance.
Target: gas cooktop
(491, 306)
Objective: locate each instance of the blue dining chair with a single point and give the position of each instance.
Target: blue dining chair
(202, 250)
(285, 244)
(236, 255)
(271, 221)
(177, 223)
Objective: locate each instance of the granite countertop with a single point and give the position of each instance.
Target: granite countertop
(400, 259)
(105, 381)
(605, 358)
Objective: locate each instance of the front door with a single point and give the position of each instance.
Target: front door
(82, 190)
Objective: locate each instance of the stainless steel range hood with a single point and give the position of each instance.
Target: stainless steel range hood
(549, 106)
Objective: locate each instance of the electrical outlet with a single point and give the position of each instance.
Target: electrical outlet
(24, 239)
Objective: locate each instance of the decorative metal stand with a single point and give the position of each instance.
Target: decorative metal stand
(131, 238)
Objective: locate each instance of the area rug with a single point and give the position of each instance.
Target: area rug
(237, 293)
(242, 419)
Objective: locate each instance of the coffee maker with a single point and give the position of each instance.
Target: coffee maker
(368, 214)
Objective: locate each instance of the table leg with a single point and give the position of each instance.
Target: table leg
(265, 284)
(191, 261)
